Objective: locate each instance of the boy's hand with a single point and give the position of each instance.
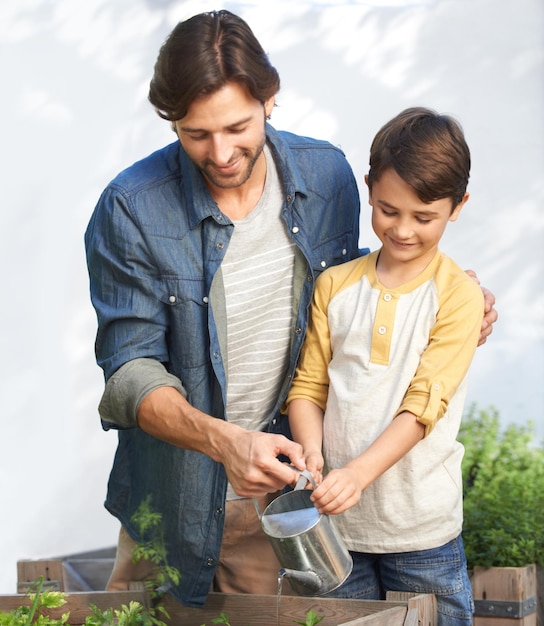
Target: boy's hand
(339, 491)
(314, 464)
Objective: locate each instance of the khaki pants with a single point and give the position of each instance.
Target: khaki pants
(247, 563)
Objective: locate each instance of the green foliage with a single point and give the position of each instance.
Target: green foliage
(503, 487)
(153, 549)
(311, 619)
(133, 614)
(34, 614)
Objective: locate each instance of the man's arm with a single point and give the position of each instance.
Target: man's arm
(250, 458)
(143, 394)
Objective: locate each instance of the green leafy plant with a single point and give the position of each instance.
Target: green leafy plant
(40, 601)
(153, 549)
(312, 618)
(503, 487)
(133, 614)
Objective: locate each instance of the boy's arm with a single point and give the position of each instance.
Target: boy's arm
(342, 488)
(306, 424)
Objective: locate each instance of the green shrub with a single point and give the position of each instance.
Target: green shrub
(503, 487)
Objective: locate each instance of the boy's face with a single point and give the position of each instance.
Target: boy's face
(408, 228)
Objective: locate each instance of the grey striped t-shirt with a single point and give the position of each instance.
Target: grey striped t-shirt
(258, 278)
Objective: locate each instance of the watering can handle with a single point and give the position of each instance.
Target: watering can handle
(304, 478)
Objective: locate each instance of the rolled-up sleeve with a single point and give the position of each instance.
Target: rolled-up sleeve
(126, 389)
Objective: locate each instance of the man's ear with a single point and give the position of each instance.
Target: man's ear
(369, 194)
(455, 213)
(268, 106)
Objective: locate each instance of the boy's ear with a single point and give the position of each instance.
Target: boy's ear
(455, 213)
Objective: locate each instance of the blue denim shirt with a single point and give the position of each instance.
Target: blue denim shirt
(154, 244)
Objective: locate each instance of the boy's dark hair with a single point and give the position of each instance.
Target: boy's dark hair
(427, 150)
(204, 53)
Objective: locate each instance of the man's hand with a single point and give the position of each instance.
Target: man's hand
(252, 466)
(250, 458)
(490, 314)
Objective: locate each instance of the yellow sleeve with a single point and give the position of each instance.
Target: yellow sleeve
(452, 343)
(311, 379)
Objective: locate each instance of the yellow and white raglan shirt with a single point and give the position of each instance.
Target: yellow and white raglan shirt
(371, 353)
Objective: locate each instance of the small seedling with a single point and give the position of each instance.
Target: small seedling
(312, 618)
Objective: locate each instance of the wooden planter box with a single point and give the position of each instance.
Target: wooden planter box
(82, 578)
(505, 596)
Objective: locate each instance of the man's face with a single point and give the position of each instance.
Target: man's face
(224, 135)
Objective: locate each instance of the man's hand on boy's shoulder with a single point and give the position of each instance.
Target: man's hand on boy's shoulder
(490, 313)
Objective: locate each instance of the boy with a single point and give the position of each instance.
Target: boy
(378, 394)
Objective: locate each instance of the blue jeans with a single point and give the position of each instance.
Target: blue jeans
(441, 571)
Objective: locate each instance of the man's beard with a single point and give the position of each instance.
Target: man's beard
(235, 180)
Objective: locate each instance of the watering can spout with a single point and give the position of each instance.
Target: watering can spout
(308, 579)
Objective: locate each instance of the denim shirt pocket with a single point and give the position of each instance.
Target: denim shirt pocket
(334, 251)
(186, 303)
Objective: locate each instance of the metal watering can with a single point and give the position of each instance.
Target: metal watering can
(311, 552)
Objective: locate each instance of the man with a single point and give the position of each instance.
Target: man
(202, 259)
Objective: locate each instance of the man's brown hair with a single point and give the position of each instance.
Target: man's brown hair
(204, 53)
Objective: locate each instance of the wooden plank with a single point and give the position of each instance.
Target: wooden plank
(244, 609)
(540, 595)
(49, 569)
(262, 610)
(412, 617)
(515, 585)
(424, 604)
(394, 616)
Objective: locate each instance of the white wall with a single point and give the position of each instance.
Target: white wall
(74, 112)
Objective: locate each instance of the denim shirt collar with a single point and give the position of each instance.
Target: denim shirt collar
(196, 196)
